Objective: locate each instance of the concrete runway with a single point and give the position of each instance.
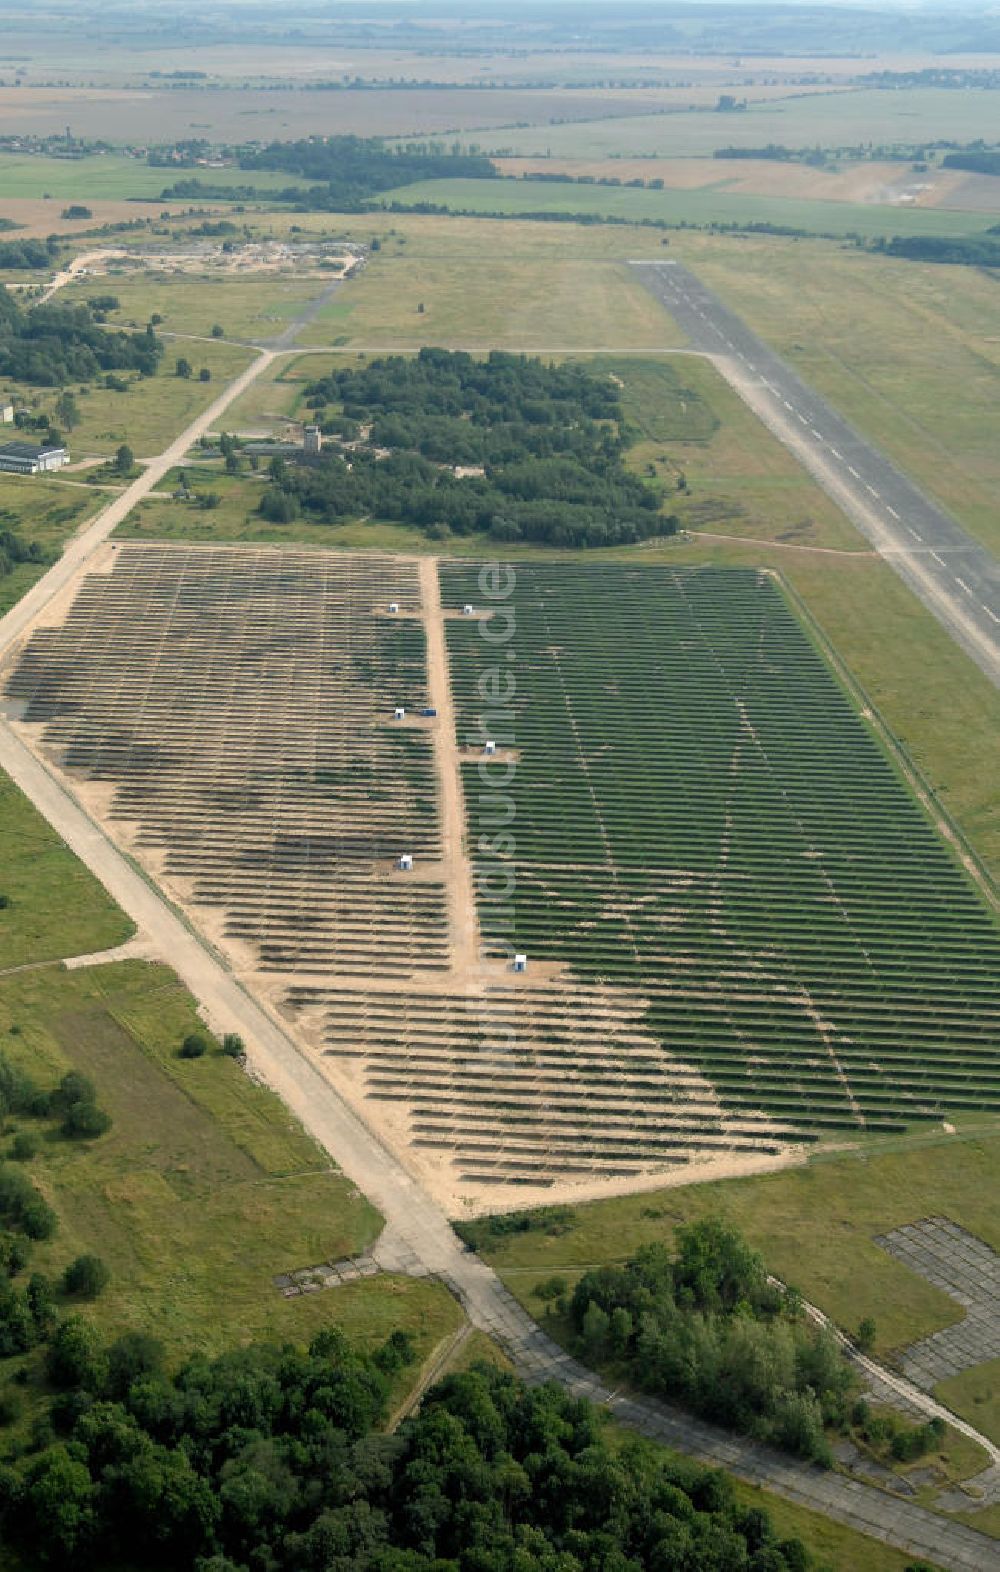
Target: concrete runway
(956, 578)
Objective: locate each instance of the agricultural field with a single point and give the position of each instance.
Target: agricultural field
(106, 176)
(679, 206)
(277, 112)
(829, 120)
(907, 351)
(38, 217)
(892, 185)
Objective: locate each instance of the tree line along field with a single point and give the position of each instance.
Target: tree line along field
(703, 816)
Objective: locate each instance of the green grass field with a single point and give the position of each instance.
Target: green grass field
(492, 300)
(908, 351)
(204, 1188)
(40, 509)
(153, 410)
(739, 480)
(56, 907)
(111, 175)
(688, 207)
(245, 308)
(975, 1394)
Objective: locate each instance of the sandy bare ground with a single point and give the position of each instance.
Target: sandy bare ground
(80, 264)
(457, 867)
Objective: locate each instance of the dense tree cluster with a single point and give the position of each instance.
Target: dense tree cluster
(705, 1327)
(14, 551)
(50, 345)
(268, 1459)
(34, 254)
(977, 160)
(353, 168)
(544, 444)
(961, 250)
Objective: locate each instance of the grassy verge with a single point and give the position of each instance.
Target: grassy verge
(42, 510)
(56, 907)
(258, 306)
(975, 1394)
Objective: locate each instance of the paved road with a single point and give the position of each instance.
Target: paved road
(954, 576)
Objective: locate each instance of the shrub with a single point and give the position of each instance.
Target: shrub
(74, 1357)
(24, 1147)
(551, 1288)
(85, 1121)
(233, 1046)
(86, 1277)
(10, 1408)
(193, 1046)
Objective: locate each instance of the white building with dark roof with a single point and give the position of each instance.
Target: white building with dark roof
(27, 458)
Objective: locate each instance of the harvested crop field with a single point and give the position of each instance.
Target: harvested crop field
(743, 933)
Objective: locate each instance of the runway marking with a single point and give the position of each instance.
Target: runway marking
(938, 559)
(990, 613)
(854, 472)
(788, 406)
(871, 489)
(963, 584)
(815, 433)
(800, 416)
(914, 533)
(890, 509)
(836, 452)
